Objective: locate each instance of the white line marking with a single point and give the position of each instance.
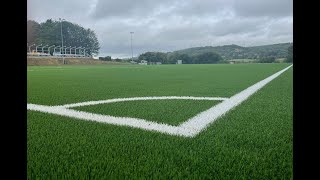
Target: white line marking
(203, 119)
(88, 103)
(123, 121)
(190, 128)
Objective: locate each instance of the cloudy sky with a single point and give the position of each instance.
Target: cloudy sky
(168, 25)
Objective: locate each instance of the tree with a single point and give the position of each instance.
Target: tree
(267, 59)
(186, 59)
(32, 31)
(107, 58)
(290, 54)
(49, 33)
(207, 58)
(117, 59)
(173, 57)
(154, 57)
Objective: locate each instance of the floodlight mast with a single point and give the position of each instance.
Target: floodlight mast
(131, 47)
(62, 39)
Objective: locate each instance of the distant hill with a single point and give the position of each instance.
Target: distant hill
(238, 52)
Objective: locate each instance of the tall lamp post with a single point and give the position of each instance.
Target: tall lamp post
(62, 38)
(131, 47)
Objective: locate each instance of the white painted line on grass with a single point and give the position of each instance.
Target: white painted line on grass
(88, 103)
(122, 121)
(203, 119)
(190, 128)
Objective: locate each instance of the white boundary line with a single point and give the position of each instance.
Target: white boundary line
(190, 128)
(88, 103)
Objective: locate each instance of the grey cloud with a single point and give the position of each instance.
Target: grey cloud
(203, 7)
(126, 8)
(71, 10)
(281, 27)
(167, 25)
(237, 26)
(272, 8)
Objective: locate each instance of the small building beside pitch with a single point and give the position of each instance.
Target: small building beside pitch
(143, 62)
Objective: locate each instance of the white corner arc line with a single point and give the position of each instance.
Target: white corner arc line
(190, 128)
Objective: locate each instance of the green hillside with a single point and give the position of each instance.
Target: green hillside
(238, 52)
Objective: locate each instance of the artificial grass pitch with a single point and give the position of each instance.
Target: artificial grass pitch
(252, 141)
(171, 112)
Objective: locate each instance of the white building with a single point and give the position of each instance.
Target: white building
(143, 62)
(179, 61)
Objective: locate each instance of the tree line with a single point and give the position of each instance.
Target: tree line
(229, 52)
(270, 58)
(202, 56)
(49, 33)
(171, 58)
(196, 58)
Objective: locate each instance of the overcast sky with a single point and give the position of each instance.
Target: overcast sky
(168, 25)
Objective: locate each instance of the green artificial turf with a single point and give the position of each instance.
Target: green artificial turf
(252, 141)
(171, 112)
(71, 84)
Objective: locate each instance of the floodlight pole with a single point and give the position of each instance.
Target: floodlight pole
(61, 39)
(131, 47)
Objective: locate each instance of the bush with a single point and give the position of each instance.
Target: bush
(269, 59)
(290, 54)
(107, 58)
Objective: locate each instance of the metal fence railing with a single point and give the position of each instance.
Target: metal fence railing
(56, 51)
